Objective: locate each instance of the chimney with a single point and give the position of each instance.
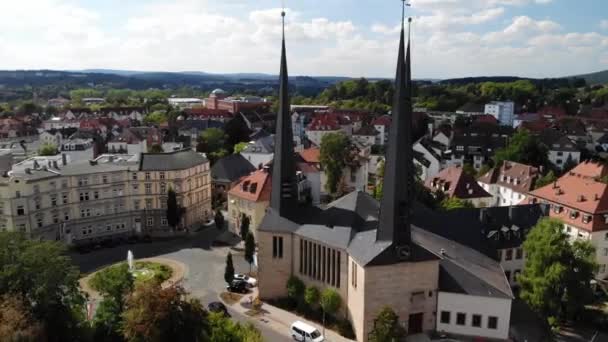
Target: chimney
(64, 159)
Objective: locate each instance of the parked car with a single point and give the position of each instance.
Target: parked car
(238, 286)
(218, 307)
(249, 280)
(303, 332)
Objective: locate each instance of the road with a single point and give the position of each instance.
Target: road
(204, 277)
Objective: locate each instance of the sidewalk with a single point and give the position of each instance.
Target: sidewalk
(281, 320)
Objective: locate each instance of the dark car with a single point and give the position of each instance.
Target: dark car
(218, 307)
(238, 286)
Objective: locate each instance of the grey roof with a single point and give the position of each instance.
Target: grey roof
(265, 145)
(231, 168)
(178, 160)
(335, 236)
(284, 190)
(557, 141)
(85, 167)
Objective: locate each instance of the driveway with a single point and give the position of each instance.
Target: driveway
(204, 274)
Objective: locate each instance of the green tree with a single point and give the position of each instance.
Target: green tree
(386, 327)
(48, 150)
(174, 212)
(330, 302)
(485, 168)
(334, 149)
(157, 314)
(240, 147)
(214, 139)
(295, 288)
(156, 148)
(226, 330)
(114, 281)
(156, 118)
(107, 323)
(311, 296)
(245, 221)
(17, 323)
(545, 180)
(523, 148)
(249, 249)
(43, 275)
(468, 169)
(219, 219)
(229, 269)
(452, 203)
(556, 280)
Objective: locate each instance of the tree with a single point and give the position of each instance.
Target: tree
(485, 168)
(334, 148)
(229, 270)
(17, 322)
(556, 279)
(295, 288)
(330, 303)
(311, 296)
(386, 327)
(214, 139)
(157, 314)
(452, 203)
(523, 148)
(174, 212)
(107, 323)
(114, 282)
(240, 147)
(236, 132)
(244, 226)
(156, 148)
(156, 118)
(545, 180)
(43, 275)
(468, 169)
(219, 219)
(249, 249)
(226, 330)
(47, 150)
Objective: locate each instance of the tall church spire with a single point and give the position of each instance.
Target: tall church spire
(398, 189)
(284, 194)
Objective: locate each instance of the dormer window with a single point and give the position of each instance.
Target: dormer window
(558, 209)
(573, 214)
(586, 218)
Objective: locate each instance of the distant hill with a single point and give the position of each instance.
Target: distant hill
(600, 77)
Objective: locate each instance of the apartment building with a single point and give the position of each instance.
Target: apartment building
(510, 183)
(106, 198)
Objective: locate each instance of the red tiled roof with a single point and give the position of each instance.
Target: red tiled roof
(311, 155)
(454, 182)
(573, 191)
(589, 169)
(512, 175)
(383, 120)
(255, 187)
(324, 123)
(206, 112)
(553, 111)
(485, 118)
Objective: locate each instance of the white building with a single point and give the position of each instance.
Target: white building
(509, 184)
(185, 102)
(502, 111)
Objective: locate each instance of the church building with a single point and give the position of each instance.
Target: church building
(379, 253)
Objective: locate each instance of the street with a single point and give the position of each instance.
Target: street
(204, 275)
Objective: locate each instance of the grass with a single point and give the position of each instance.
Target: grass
(231, 298)
(144, 271)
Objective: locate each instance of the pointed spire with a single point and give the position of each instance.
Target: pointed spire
(283, 196)
(398, 189)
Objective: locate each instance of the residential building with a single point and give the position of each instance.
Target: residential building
(320, 126)
(471, 109)
(382, 125)
(562, 151)
(78, 149)
(455, 183)
(310, 166)
(185, 102)
(368, 136)
(259, 152)
(250, 197)
(502, 111)
(581, 202)
(373, 254)
(111, 197)
(219, 100)
(510, 183)
(429, 153)
(135, 140)
(226, 172)
(220, 115)
(476, 145)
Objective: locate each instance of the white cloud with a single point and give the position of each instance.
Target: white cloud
(604, 24)
(448, 40)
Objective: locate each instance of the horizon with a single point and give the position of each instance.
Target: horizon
(325, 38)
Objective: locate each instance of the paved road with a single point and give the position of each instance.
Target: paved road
(204, 277)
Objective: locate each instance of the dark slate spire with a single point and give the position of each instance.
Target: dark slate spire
(284, 194)
(396, 202)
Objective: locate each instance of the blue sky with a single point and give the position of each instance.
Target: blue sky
(451, 38)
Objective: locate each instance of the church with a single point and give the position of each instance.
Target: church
(379, 253)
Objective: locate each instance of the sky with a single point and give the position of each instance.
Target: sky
(357, 38)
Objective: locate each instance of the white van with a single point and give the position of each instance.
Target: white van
(303, 332)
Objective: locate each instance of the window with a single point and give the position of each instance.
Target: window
(84, 196)
(55, 217)
(37, 203)
(147, 175)
(136, 204)
(606, 237)
(148, 187)
(66, 216)
(83, 182)
(39, 221)
(461, 318)
(96, 195)
(36, 189)
(476, 321)
(20, 210)
(104, 179)
(64, 184)
(445, 317)
(135, 187)
(148, 203)
(519, 253)
(605, 251)
(65, 197)
(163, 221)
(354, 274)
(18, 195)
(559, 154)
(573, 214)
(54, 200)
(134, 176)
(162, 175)
(53, 185)
(508, 254)
(492, 322)
(277, 247)
(163, 188)
(150, 221)
(508, 275)
(586, 218)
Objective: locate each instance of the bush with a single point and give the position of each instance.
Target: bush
(345, 329)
